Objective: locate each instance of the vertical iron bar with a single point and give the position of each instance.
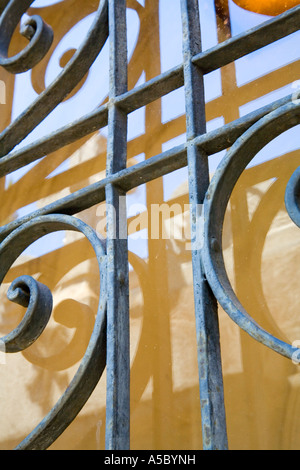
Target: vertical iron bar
(208, 342)
(118, 359)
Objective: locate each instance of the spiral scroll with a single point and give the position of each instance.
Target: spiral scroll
(27, 292)
(35, 29)
(40, 41)
(37, 298)
(217, 197)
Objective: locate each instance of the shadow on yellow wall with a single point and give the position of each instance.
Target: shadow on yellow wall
(261, 251)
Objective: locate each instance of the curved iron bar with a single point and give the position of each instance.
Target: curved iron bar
(35, 29)
(64, 83)
(25, 290)
(141, 173)
(292, 197)
(154, 89)
(217, 197)
(37, 298)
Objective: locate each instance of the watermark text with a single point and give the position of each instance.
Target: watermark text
(164, 221)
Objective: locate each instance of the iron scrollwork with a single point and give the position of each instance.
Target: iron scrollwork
(37, 298)
(67, 80)
(216, 200)
(292, 196)
(25, 290)
(39, 33)
(16, 236)
(28, 292)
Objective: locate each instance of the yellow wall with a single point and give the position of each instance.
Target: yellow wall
(262, 257)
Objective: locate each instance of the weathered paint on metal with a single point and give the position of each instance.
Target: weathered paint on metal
(94, 361)
(37, 298)
(246, 135)
(217, 197)
(117, 435)
(213, 417)
(66, 81)
(35, 29)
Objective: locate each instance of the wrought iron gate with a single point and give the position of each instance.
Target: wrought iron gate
(109, 345)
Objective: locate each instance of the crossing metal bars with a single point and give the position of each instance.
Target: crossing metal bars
(109, 345)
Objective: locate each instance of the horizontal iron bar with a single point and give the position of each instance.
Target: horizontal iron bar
(97, 119)
(249, 41)
(151, 90)
(155, 167)
(224, 137)
(209, 60)
(54, 141)
(95, 194)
